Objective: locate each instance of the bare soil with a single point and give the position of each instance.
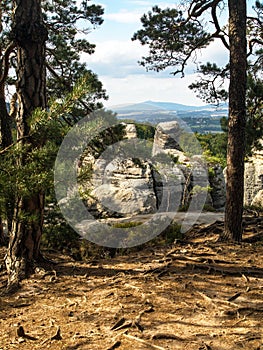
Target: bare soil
(195, 294)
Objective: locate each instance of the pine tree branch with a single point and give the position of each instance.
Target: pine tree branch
(252, 43)
(201, 6)
(256, 19)
(14, 143)
(5, 62)
(218, 28)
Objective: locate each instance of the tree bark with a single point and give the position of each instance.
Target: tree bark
(5, 123)
(29, 34)
(5, 140)
(236, 121)
(2, 235)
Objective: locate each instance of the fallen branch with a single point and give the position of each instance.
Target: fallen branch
(256, 272)
(121, 324)
(234, 297)
(21, 334)
(57, 336)
(216, 300)
(116, 345)
(130, 337)
(168, 336)
(159, 269)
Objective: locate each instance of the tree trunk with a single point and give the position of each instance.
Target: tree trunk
(2, 235)
(5, 123)
(5, 140)
(5, 133)
(236, 121)
(30, 35)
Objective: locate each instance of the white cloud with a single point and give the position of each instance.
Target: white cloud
(142, 87)
(116, 58)
(141, 3)
(150, 4)
(215, 52)
(133, 16)
(124, 16)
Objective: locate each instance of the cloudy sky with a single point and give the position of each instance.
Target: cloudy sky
(116, 58)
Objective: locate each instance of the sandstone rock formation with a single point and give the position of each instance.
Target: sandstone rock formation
(125, 187)
(253, 193)
(162, 179)
(217, 184)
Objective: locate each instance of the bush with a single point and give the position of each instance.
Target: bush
(57, 233)
(59, 236)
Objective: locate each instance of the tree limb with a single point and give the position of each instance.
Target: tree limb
(251, 44)
(5, 61)
(201, 6)
(218, 28)
(14, 143)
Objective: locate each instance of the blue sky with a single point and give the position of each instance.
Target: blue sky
(116, 57)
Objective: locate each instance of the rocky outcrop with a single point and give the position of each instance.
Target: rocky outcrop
(130, 130)
(253, 179)
(123, 187)
(217, 185)
(166, 137)
(192, 173)
(258, 199)
(164, 179)
(167, 141)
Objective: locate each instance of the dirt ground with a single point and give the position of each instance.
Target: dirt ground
(195, 294)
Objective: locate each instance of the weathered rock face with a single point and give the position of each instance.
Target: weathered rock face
(166, 140)
(166, 136)
(218, 188)
(194, 172)
(124, 186)
(130, 131)
(258, 199)
(253, 180)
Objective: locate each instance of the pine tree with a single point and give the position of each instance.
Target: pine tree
(174, 36)
(36, 38)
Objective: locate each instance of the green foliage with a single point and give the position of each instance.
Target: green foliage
(57, 234)
(145, 131)
(208, 207)
(60, 236)
(199, 189)
(211, 172)
(73, 92)
(7, 185)
(223, 123)
(69, 23)
(256, 210)
(175, 35)
(214, 147)
(34, 173)
(166, 237)
(127, 224)
(108, 136)
(210, 86)
(189, 144)
(171, 234)
(170, 43)
(174, 158)
(254, 129)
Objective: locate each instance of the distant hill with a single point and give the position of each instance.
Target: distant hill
(165, 106)
(203, 119)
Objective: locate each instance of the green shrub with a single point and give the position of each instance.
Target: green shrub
(57, 233)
